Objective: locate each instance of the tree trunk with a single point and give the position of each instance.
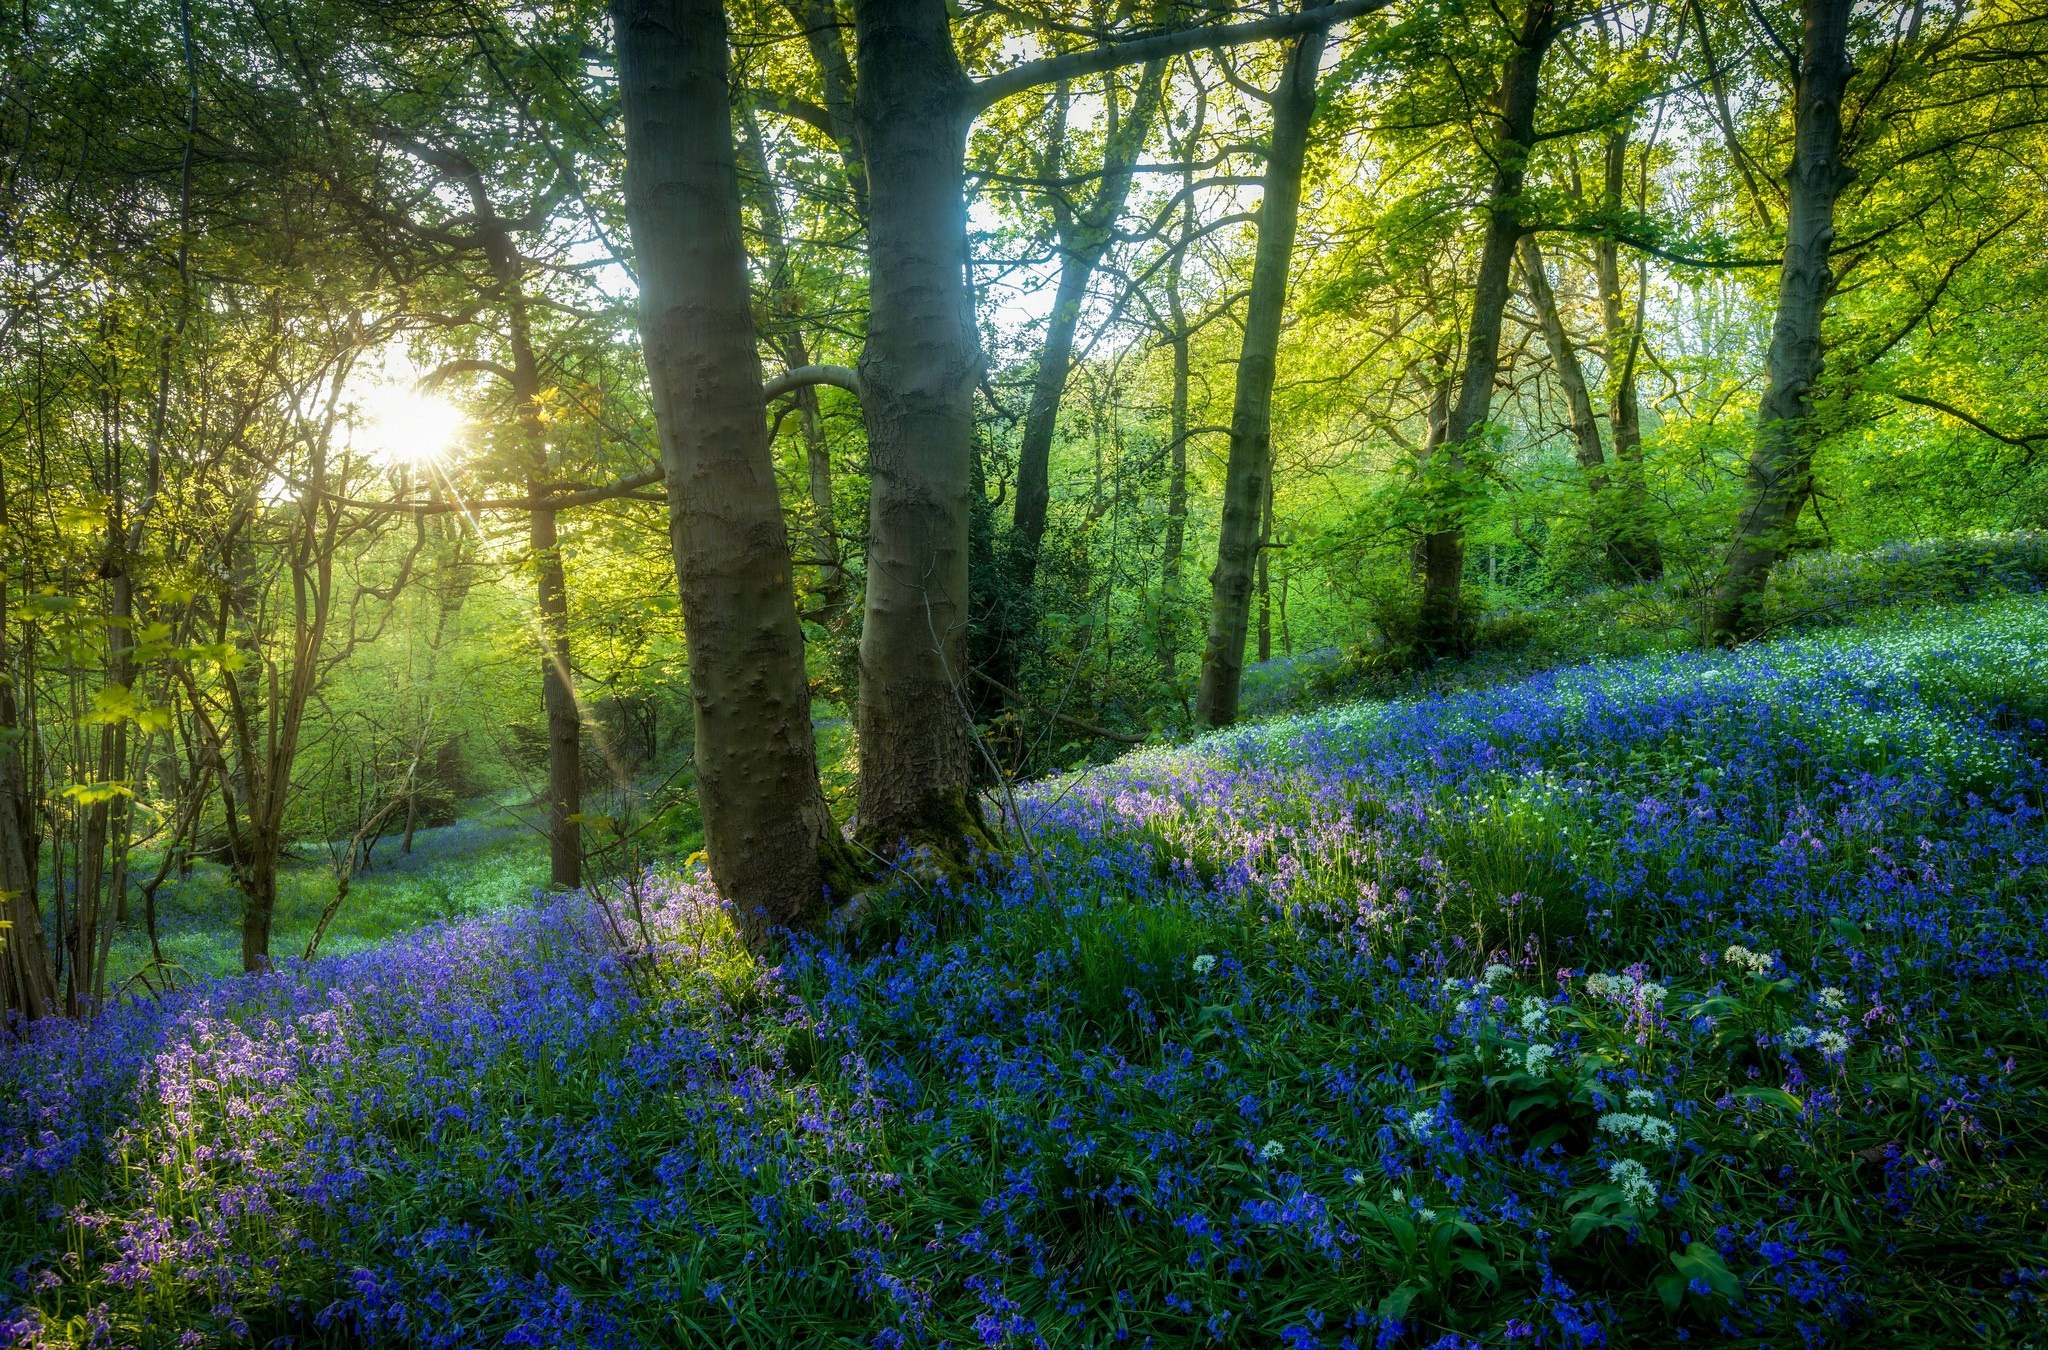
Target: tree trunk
(259, 902)
(918, 374)
(784, 303)
(1571, 376)
(1083, 240)
(1176, 490)
(767, 830)
(558, 700)
(28, 983)
(1442, 622)
(1781, 463)
(1251, 421)
(1633, 551)
(820, 21)
(1266, 578)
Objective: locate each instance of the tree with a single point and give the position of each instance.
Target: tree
(771, 841)
(1247, 488)
(1511, 138)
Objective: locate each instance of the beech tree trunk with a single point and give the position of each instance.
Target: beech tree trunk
(1266, 579)
(551, 585)
(28, 982)
(1780, 476)
(1633, 552)
(1250, 465)
(1442, 622)
(918, 372)
(768, 833)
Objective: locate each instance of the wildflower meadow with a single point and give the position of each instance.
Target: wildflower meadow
(1692, 998)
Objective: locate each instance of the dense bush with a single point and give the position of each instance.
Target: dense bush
(1696, 997)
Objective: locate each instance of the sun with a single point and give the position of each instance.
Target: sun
(403, 427)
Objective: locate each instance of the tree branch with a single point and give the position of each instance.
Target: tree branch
(1137, 51)
(450, 368)
(2024, 440)
(1641, 245)
(796, 109)
(789, 381)
(629, 486)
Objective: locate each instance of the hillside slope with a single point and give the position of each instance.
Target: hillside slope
(1689, 998)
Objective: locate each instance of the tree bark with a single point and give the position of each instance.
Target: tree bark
(1251, 422)
(768, 833)
(1633, 553)
(918, 372)
(1780, 476)
(1266, 576)
(1571, 376)
(1443, 627)
(828, 592)
(28, 982)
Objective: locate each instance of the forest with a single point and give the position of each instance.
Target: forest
(1040, 673)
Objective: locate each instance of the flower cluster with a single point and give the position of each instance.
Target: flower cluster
(1649, 1129)
(1743, 959)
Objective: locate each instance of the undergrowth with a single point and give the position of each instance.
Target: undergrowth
(1689, 998)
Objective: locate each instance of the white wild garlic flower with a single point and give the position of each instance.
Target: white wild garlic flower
(1634, 1180)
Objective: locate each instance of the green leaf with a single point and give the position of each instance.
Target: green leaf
(1395, 1305)
(1477, 1263)
(1770, 1096)
(1701, 1262)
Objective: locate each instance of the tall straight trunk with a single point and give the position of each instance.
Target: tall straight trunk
(1083, 239)
(558, 702)
(1265, 607)
(1781, 463)
(28, 982)
(1633, 553)
(822, 538)
(767, 830)
(1250, 465)
(1618, 527)
(551, 587)
(918, 372)
(1442, 622)
(819, 20)
(1564, 359)
(1176, 499)
(1179, 340)
(551, 590)
(1438, 383)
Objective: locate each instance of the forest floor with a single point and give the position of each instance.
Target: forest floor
(1691, 997)
(483, 862)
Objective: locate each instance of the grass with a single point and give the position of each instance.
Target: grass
(455, 871)
(1691, 998)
